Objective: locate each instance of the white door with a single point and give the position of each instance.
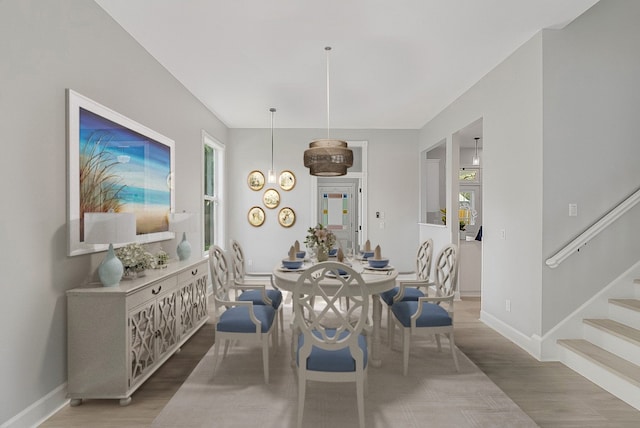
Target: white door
(338, 209)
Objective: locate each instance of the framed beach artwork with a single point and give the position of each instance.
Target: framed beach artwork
(116, 165)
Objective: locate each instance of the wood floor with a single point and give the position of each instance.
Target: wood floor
(550, 393)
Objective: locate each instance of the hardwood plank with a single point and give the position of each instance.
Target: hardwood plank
(553, 395)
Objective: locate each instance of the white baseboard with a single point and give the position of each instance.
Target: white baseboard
(529, 344)
(41, 410)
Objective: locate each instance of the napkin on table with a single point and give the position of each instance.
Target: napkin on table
(367, 246)
(292, 253)
(377, 253)
(340, 255)
(296, 246)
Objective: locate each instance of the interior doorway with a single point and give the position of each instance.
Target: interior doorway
(338, 209)
(346, 200)
(470, 210)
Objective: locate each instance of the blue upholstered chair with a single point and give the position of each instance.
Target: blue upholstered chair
(235, 319)
(254, 290)
(431, 315)
(410, 289)
(339, 353)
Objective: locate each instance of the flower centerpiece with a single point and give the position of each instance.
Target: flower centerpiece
(135, 258)
(322, 239)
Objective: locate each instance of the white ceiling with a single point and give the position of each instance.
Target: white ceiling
(394, 64)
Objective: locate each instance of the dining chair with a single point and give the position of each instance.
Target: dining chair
(409, 289)
(236, 319)
(255, 291)
(431, 315)
(340, 353)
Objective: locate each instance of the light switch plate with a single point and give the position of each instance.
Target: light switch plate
(573, 210)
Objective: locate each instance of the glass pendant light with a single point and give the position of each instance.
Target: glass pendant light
(476, 159)
(271, 175)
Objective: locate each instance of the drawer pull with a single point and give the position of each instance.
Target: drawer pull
(154, 292)
(194, 272)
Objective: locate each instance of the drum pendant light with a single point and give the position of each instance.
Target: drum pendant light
(328, 157)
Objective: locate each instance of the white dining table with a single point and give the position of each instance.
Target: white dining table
(377, 281)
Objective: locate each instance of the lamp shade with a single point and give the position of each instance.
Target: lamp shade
(182, 222)
(109, 228)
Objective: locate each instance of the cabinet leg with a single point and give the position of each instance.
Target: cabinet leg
(75, 402)
(125, 401)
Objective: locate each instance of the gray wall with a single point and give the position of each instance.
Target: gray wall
(591, 150)
(45, 47)
(558, 118)
(392, 181)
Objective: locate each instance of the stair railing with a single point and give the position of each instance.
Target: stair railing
(594, 230)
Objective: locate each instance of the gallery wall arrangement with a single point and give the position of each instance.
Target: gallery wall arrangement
(271, 199)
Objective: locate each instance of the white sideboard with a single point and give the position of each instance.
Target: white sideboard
(118, 336)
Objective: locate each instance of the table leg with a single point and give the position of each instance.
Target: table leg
(375, 340)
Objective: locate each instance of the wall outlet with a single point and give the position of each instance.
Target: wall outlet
(503, 234)
(249, 262)
(507, 305)
(573, 210)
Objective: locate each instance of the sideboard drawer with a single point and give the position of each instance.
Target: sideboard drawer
(192, 273)
(150, 292)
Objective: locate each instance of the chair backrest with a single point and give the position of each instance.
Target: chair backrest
(423, 260)
(237, 262)
(219, 270)
(322, 286)
(446, 267)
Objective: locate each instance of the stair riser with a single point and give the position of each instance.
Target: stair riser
(622, 348)
(621, 388)
(624, 315)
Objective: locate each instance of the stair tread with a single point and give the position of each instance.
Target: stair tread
(620, 330)
(633, 304)
(604, 358)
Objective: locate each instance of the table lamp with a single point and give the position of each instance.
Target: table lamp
(110, 228)
(182, 222)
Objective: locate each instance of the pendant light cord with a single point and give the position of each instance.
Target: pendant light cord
(272, 110)
(327, 49)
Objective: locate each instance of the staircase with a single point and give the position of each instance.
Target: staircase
(609, 352)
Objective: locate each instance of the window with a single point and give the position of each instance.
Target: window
(213, 175)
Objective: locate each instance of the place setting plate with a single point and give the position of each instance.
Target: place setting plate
(285, 269)
(382, 269)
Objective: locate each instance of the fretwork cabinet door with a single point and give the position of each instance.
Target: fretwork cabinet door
(153, 333)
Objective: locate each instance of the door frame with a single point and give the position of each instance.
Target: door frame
(362, 228)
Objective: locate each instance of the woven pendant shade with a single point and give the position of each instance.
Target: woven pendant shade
(328, 158)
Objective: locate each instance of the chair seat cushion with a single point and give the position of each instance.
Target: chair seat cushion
(237, 320)
(432, 314)
(410, 293)
(323, 360)
(255, 296)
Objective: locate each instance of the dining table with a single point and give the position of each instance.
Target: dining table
(377, 281)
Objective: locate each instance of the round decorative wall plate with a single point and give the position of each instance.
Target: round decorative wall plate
(286, 217)
(255, 180)
(287, 180)
(256, 216)
(271, 198)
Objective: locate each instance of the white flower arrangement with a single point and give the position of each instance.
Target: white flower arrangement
(135, 258)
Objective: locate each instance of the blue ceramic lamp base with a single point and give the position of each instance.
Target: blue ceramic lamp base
(184, 248)
(111, 269)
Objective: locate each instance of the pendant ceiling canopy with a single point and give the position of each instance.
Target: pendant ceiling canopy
(328, 157)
